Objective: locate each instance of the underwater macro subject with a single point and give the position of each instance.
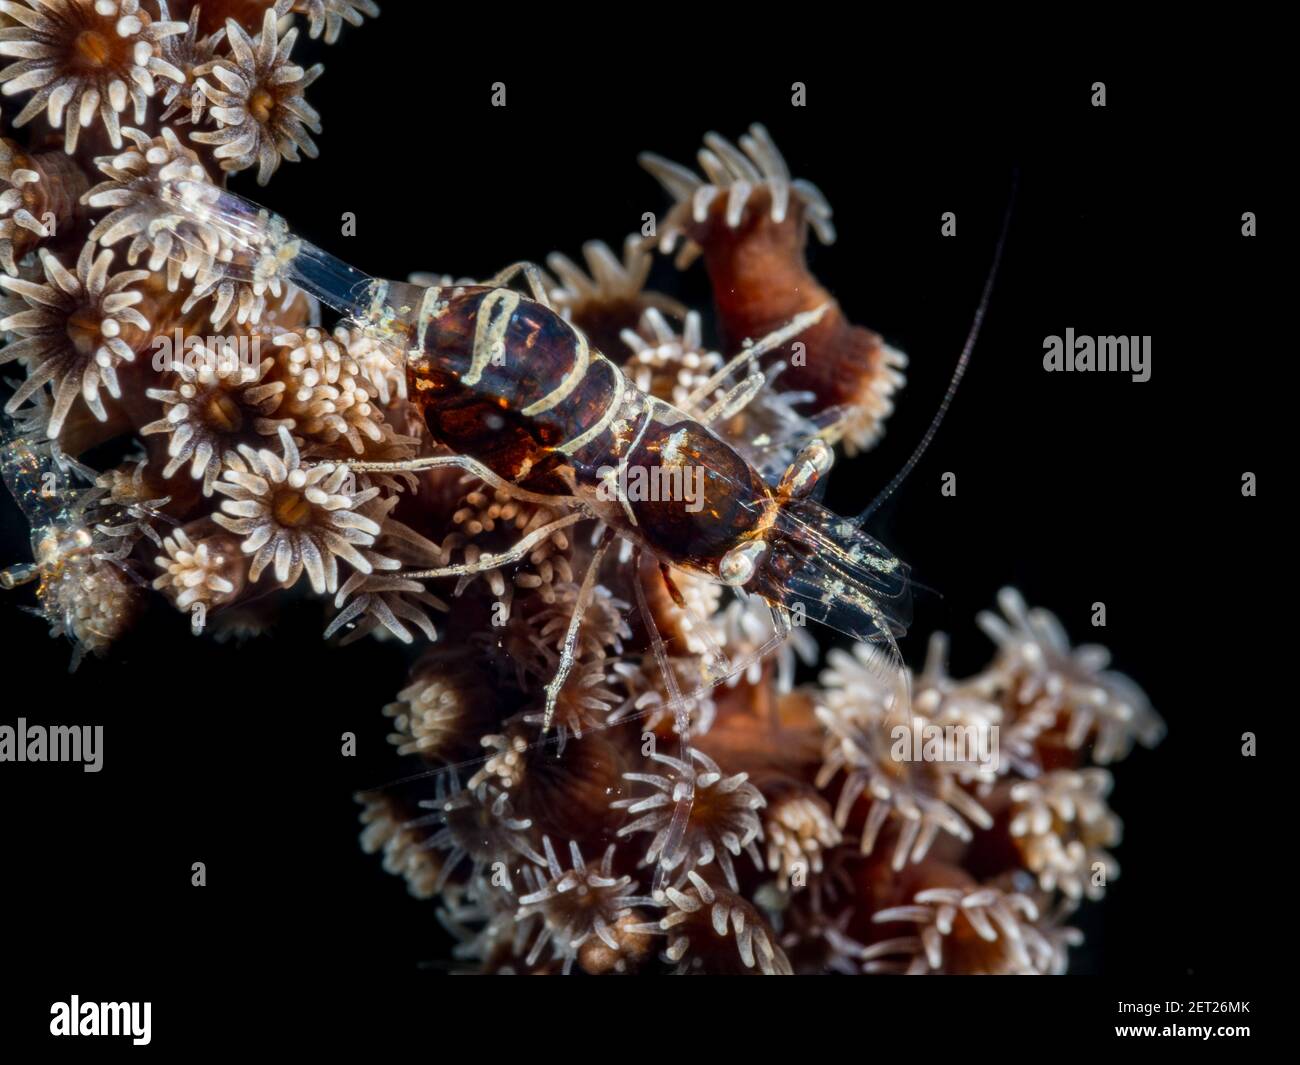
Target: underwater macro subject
(586, 576)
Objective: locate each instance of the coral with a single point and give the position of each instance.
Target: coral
(610, 296)
(863, 707)
(665, 363)
(1069, 688)
(477, 825)
(1062, 825)
(585, 702)
(445, 702)
(213, 408)
(135, 178)
(403, 845)
(745, 627)
(38, 198)
(541, 667)
(547, 572)
(256, 99)
(498, 945)
(799, 829)
(749, 220)
(581, 905)
(379, 363)
(85, 59)
(647, 700)
(980, 931)
(295, 518)
(187, 52)
(382, 601)
(756, 177)
(328, 395)
(715, 930)
(207, 571)
(722, 823)
(329, 15)
(531, 635)
(76, 331)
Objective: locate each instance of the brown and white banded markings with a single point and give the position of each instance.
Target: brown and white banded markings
(520, 398)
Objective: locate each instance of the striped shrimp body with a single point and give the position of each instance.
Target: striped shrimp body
(504, 380)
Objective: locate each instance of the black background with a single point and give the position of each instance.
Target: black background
(1075, 488)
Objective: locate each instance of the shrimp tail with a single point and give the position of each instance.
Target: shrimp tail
(218, 234)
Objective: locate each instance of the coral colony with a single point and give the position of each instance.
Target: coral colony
(595, 530)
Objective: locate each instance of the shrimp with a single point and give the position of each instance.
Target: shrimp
(519, 397)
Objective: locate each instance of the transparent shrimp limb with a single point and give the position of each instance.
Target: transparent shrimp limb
(716, 660)
(568, 650)
(736, 667)
(40, 477)
(487, 562)
(773, 340)
(684, 789)
(469, 465)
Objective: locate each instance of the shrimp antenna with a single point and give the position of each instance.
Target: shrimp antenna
(959, 371)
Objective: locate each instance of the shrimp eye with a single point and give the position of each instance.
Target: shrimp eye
(739, 564)
(809, 466)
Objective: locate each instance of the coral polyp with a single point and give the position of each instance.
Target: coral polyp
(295, 519)
(255, 95)
(580, 904)
(213, 408)
(713, 930)
(1066, 688)
(205, 572)
(749, 220)
(328, 16)
(983, 931)
(723, 823)
(864, 714)
(134, 179)
(75, 331)
(1062, 825)
(38, 196)
(87, 60)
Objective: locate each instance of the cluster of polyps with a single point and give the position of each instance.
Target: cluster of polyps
(808, 847)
